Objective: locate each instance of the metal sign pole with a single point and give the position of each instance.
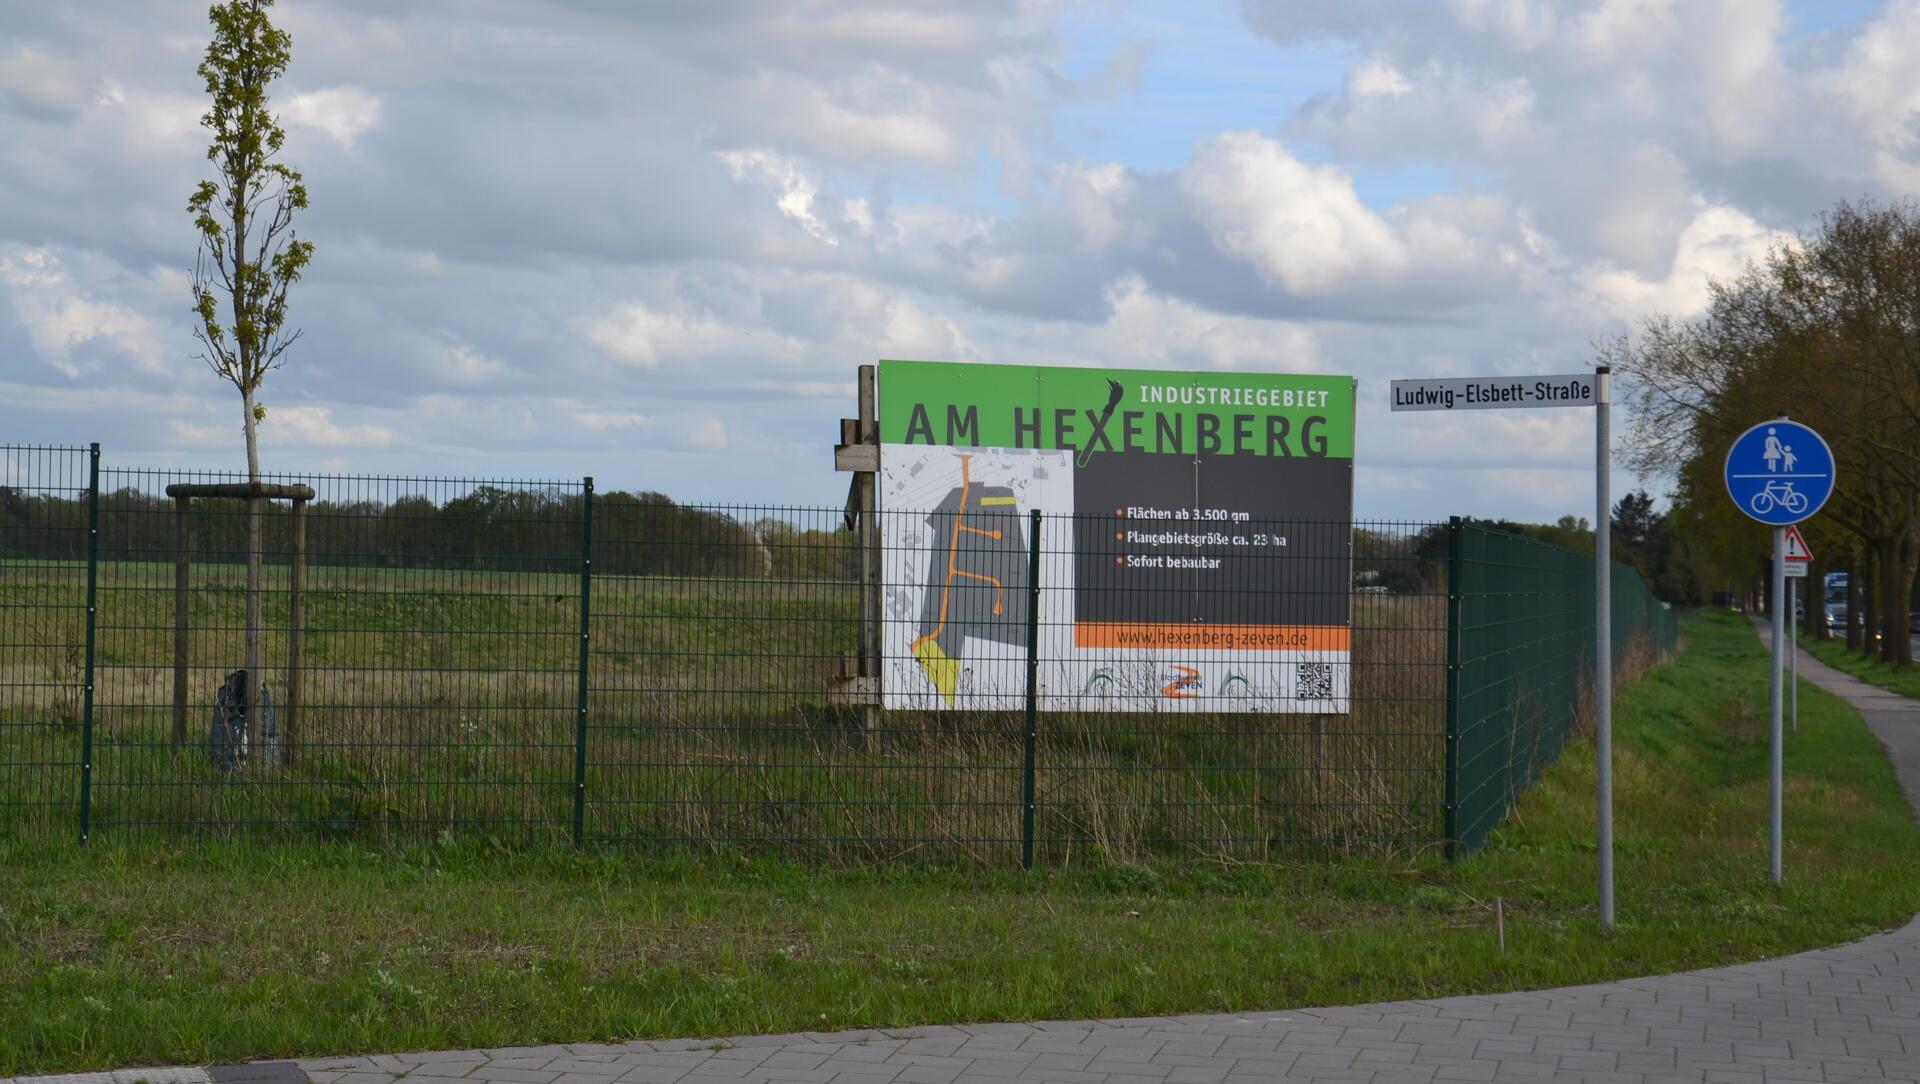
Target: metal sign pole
(1780, 473)
(1565, 390)
(1776, 768)
(1793, 653)
(1603, 633)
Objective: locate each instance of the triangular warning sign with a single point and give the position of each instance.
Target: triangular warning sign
(1796, 547)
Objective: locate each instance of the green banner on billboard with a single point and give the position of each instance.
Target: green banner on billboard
(1116, 410)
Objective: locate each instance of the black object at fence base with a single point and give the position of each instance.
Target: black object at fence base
(227, 737)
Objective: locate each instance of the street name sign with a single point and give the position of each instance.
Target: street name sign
(1497, 392)
(1779, 472)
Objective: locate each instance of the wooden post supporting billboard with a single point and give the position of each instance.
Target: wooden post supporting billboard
(859, 452)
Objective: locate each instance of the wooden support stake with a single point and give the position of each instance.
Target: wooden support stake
(182, 540)
(296, 634)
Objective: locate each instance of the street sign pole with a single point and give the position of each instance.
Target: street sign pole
(1603, 633)
(1780, 473)
(1776, 771)
(1576, 390)
(1793, 653)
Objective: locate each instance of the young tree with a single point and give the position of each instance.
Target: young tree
(249, 253)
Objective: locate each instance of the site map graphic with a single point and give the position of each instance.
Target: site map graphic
(976, 582)
(957, 587)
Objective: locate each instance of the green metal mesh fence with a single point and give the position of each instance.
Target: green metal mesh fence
(538, 661)
(1521, 664)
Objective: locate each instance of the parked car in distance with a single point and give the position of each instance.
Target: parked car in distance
(1836, 617)
(1913, 622)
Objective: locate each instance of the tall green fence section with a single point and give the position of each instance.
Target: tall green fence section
(537, 660)
(1520, 664)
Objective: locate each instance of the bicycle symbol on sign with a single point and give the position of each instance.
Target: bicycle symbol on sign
(1781, 493)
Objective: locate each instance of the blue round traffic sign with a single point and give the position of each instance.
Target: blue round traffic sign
(1779, 472)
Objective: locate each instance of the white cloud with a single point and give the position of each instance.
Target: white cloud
(1377, 79)
(343, 113)
(1147, 330)
(62, 320)
(629, 334)
(678, 335)
(315, 427)
(44, 83)
(1879, 85)
(916, 136)
(1301, 226)
(462, 363)
(795, 191)
(299, 427)
(1717, 245)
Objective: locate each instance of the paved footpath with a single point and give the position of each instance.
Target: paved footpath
(1838, 1014)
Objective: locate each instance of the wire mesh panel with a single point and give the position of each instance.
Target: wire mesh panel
(1525, 649)
(43, 630)
(437, 679)
(1244, 687)
(727, 705)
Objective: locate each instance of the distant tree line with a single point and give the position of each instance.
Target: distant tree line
(508, 529)
(489, 528)
(1412, 563)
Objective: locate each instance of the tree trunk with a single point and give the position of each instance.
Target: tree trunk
(1815, 590)
(1897, 567)
(255, 655)
(1856, 580)
(1870, 598)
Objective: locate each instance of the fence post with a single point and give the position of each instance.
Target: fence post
(296, 637)
(181, 584)
(1033, 692)
(1455, 563)
(86, 703)
(586, 612)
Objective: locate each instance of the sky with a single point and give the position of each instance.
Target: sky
(653, 242)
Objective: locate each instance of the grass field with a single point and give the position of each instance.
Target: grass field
(449, 698)
(1904, 680)
(143, 952)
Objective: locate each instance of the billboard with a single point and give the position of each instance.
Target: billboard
(1196, 552)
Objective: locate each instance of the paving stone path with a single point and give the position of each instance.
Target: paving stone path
(1839, 1014)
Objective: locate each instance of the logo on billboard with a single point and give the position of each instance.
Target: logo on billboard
(1184, 687)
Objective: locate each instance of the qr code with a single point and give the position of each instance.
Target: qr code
(1313, 681)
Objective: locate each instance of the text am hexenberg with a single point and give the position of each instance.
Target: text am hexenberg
(1561, 391)
(1157, 431)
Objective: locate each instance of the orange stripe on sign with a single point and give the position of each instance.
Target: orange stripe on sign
(1219, 637)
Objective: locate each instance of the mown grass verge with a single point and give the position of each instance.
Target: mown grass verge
(1904, 680)
(140, 951)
